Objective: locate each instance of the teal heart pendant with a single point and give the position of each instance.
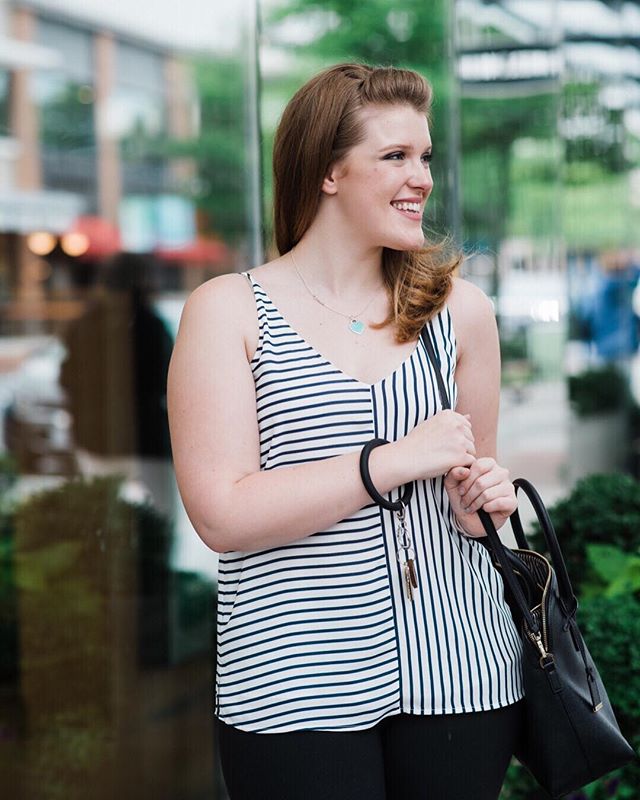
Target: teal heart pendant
(356, 326)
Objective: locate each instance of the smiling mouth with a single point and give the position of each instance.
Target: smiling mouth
(411, 210)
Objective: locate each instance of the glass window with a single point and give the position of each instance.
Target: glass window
(130, 188)
(137, 118)
(139, 97)
(511, 166)
(65, 98)
(73, 42)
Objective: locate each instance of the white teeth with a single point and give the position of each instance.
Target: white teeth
(415, 207)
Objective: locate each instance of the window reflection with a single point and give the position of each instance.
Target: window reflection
(122, 187)
(549, 147)
(510, 66)
(65, 101)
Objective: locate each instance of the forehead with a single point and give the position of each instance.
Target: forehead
(394, 124)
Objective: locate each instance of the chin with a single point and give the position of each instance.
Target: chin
(405, 243)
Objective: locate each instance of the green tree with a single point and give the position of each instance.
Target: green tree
(220, 148)
(489, 128)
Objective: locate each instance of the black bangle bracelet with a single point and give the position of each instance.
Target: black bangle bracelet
(375, 495)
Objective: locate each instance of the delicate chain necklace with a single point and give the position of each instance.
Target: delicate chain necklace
(355, 325)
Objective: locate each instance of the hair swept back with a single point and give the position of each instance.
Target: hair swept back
(319, 126)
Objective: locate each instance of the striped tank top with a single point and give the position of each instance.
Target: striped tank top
(319, 634)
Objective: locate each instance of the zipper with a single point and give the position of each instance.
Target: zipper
(543, 605)
(541, 641)
(537, 640)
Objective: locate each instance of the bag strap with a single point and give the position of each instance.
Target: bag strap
(565, 588)
(564, 584)
(499, 550)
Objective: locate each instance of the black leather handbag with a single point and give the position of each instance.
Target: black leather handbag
(571, 736)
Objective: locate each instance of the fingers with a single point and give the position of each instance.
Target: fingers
(484, 473)
(497, 498)
(454, 476)
(487, 486)
(503, 505)
(470, 444)
(446, 441)
(458, 436)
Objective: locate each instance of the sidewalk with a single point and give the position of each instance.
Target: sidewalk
(533, 440)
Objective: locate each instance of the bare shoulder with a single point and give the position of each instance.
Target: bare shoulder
(472, 313)
(224, 304)
(468, 298)
(225, 293)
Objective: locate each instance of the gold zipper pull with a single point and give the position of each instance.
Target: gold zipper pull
(536, 638)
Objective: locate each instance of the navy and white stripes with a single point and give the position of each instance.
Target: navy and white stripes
(318, 634)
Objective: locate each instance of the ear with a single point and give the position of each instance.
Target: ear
(330, 182)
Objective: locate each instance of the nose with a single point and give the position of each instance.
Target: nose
(421, 177)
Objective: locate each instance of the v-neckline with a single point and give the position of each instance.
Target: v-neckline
(328, 361)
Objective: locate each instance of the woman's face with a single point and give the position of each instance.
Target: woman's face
(383, 183)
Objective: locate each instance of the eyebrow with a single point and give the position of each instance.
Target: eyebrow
(403, 147)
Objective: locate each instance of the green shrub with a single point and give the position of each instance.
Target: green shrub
(614, 571)
(8, 475)
(602, 509)
(597, 391)
(8, 601)
(514, 347)
(611, 628)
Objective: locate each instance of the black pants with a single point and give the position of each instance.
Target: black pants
(404, 757)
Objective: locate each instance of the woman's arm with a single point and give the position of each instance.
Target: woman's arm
(232, 503)
(485, 484)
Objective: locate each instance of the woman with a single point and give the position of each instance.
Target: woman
(336, 679)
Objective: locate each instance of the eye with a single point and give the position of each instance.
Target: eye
(399, 155)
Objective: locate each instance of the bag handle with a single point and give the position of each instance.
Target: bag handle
(553, 545)
(498, 548)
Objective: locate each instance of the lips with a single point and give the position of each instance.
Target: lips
(408, 209)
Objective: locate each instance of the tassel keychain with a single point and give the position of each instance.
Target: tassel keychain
(406, 553)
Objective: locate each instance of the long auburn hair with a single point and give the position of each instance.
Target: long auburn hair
(319, 126)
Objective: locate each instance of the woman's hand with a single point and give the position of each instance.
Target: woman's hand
(484, 484)
(436, 445)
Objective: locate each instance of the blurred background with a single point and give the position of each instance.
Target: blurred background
(135, 143)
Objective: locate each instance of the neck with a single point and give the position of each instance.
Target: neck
(336, 265)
